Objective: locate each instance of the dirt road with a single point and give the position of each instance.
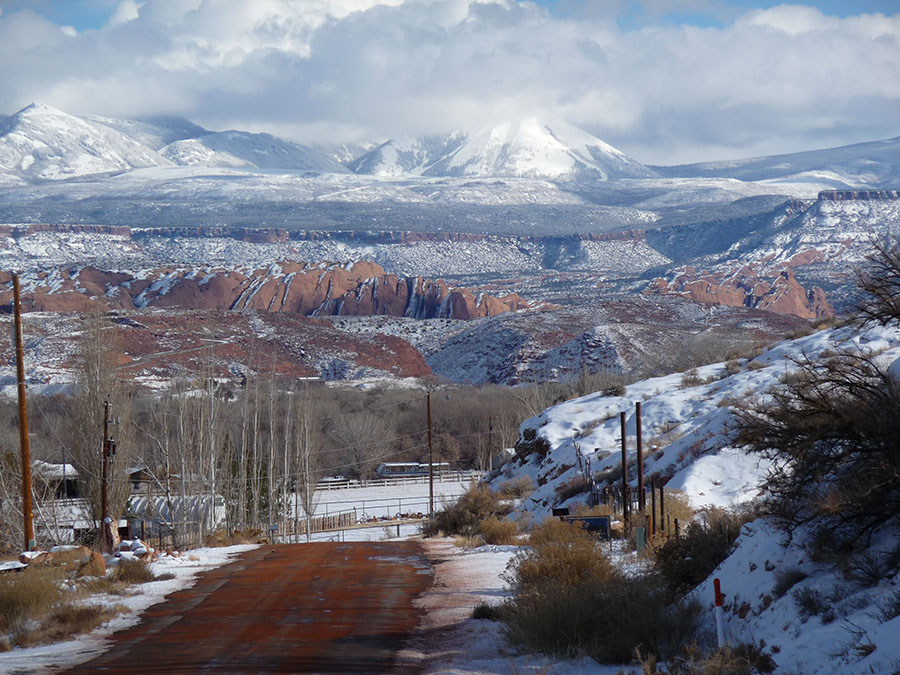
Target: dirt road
(320, 607)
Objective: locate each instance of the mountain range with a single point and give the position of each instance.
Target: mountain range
(40, 143)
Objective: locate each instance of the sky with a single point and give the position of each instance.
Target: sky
(665, 81)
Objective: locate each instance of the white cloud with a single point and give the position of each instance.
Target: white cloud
(775, 80)
(127, 10)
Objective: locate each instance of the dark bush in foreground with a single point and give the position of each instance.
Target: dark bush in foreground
(570, 600)
(607, 619)
(685, 561)
(831, 430)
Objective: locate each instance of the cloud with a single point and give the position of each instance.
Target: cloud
(772, 80)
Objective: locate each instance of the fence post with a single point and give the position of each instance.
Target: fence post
(719, 610)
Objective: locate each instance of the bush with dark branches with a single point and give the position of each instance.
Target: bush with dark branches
(831, 430)
(880, 286)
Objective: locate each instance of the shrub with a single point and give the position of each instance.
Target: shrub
(888, 607)
(604, 618)
(518, 488)
(133, 571)
(831, 430)
(741, 659)
(732, 367)
(485, 611)
(685, 561)
(558, 553)
(811, 603)
(465, 516)
(691, 379)
(786, 580)
(529, 443)
(571, 488)
(499, 532)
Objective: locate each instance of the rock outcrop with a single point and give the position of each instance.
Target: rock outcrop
(361, 289)
(773, 291)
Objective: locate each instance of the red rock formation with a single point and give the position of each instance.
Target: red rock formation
(748, 287)
(361, 289)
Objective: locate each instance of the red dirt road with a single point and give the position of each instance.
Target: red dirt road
(320, 608)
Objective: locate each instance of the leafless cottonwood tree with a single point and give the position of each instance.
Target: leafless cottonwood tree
(97, 382)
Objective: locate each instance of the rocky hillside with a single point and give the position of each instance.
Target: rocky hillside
(298, 288)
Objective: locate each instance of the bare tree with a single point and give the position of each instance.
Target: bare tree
(97, 383)
(364, 437)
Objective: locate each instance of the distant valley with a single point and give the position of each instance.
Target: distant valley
(537, 249)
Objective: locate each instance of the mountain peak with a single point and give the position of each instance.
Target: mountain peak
(528, 147)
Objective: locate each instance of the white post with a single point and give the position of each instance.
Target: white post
(719, 610)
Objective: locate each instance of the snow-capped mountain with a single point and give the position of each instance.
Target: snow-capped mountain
(242, 149)
(154, 132)
(42, 143)
(528, 148)
(862, 165)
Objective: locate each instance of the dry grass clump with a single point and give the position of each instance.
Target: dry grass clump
(133, 571)
(65, 621)
(499, 532)
(36, 609)
(222, 538)
(27, 595)
(740, 659)
(517, 488)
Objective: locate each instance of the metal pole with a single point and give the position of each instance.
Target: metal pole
(24, 448)
(642, 498)
(653, 507)
(430, 460)
(662, 507)
(622, 420)
(104, 472)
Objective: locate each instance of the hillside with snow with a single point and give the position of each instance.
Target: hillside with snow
(811, 615)
(42, 143)
(874, 164)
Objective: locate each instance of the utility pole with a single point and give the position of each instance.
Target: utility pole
(642, 499)
(430, 459)
(24, 448)
(109, 448)
(625, 505)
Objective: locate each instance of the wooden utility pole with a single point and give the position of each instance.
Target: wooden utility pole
(622, 421)
(24, 448)
(105, 544)
(430, 459)
(642, 499)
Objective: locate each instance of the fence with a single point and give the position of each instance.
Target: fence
(444, 477)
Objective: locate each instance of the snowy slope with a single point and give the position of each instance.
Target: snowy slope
(687, 428)
(42, 143)
(875, 164)
(527, 148)
(242, 149)
(154, 132)
(406, 156)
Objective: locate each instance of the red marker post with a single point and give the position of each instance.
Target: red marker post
(720, 613)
